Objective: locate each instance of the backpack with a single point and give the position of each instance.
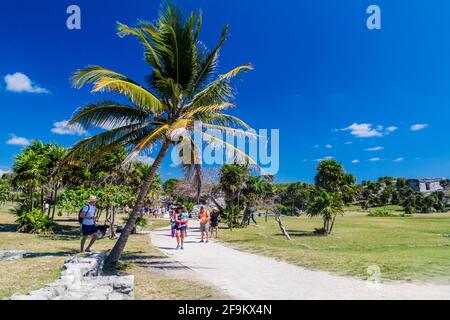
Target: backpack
(80, 218)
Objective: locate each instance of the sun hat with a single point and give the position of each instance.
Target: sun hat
(92, 198)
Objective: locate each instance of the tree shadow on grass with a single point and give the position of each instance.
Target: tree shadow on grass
(60, 237)
(302, 233)
(152, 261)
(67, 253)
(8, 227)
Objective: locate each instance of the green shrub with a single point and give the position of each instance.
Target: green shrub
(185, 202)
(230, 215)
(140, 222)
(381, 214)
(283, 209)
(33, 221)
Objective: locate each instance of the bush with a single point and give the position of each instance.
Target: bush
(283, 209)
(140, 222)
(34, 221)
(381, 214)
(185, 202)
(230, 216)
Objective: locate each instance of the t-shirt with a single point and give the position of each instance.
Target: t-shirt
(204, 217)
(183, 216)
(214, 217)
(89, 211)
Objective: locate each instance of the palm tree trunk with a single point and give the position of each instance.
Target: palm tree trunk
(117, 250)
(55, 197)
(42, 198)
(281, 225)
(32, 197)
(332, 223)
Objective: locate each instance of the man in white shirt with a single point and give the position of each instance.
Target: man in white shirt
(88, 226)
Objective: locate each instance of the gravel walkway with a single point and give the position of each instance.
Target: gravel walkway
(248, 276)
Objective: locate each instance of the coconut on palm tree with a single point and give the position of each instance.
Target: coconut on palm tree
(182, 88)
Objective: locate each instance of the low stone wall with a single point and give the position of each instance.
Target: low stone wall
(82, 279)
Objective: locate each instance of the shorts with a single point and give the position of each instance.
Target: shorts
(88, 230)
(214, 224)
(204, 227)
(182, 228)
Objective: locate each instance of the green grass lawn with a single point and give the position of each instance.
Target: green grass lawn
(390, 207)
(22, 276)
(405, 248)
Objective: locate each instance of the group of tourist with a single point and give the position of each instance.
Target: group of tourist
(151, 212)
(179, 221)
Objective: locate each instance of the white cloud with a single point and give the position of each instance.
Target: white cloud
(329, 146)
(363, 130)
(19, 82)
(391, 129)
(349, 143)
(63, 128)
(375, 149)
(399, 159)
(419, 126)
(2, 172)
(355, 161)
(368, 130)
(17, 141)
(375, 159)
(316, 146)
(144, 159)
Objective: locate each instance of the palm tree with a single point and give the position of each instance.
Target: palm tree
(181, 89)
(328, 205)
(5, 191)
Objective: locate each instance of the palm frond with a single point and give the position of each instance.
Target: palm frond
(209, 65)
(106, 80)
(107, 141)
(230, 148)
(223, 119)
(236, 71)
(137, 94)
(150, 138)
(219, 90)
(109, 114)
(208, 109)
(150, 54)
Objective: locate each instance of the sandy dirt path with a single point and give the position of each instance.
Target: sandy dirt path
(244, 275)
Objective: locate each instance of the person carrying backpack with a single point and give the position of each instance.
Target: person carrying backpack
(87, 219)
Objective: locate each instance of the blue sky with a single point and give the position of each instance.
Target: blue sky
(332, 87)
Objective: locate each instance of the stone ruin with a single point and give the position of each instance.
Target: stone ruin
(82, 279)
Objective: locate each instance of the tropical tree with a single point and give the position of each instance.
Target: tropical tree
(233, 180)
(328, 205)
(5, 190)
(328, 199)
(170, 188)
(256, 189)
(332, 177)
(182, 88)
(29, 173)
(294, 196)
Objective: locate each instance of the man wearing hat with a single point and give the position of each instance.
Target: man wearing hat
(88, 226)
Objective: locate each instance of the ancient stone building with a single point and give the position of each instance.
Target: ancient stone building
(426, 185)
